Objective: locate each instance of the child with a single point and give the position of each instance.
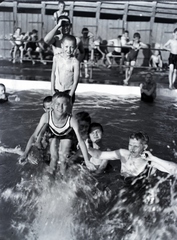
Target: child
(17, 43)
(65, 68)
(63, 126)
(32, 45)
(117, 49)
(4, 97)
(171, 46)
(156, 60)
(132, 55)
(60, 12)
(124, 49)
(95, 141)
(100, 50)
(47, 101)
(3, 94)
(148, 89)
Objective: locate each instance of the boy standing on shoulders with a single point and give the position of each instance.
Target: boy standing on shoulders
(171, 46)
(66, 68)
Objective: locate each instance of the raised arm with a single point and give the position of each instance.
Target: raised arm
(76, 77)
(160, 164)
(53, 77)
(49, 37)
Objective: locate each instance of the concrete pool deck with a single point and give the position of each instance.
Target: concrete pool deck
(104, 81)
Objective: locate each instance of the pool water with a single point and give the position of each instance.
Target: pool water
(84, 206)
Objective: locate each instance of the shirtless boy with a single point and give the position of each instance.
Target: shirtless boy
(171, 46)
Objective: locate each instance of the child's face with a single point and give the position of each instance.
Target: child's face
(60, 105)
(136, 39)
(61, 7)
(68, 47)
(156, 52)
(66, 27)
(175, 35)
(95, 135)
(136, 147)
(148, 78)
(47, 106)
(2, 90)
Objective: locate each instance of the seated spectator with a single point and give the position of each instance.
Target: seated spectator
(124, 49)
(148, 89)
(156, 60)
(61, 11)
(116, 43)
(100, 50)
(44, 50)
(16, 40)
(32, 47)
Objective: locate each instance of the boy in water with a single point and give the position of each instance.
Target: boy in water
(171, 46)
(148, 88)
(47, 101)
(62, 126)
(3, 94)
(132, 55)
(95, 141)
(66, 68)
(136, 161)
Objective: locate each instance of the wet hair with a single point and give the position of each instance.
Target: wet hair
(125, 31)
(175, 30)
(2, 85)
(119, 36)
(95, 125)
(69, 38)
(140, 136)
(136, 35)
(61, 95)
(47, 99)
(83, 117)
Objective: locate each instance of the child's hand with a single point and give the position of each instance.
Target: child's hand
(23, 159)
(147, 155)
(90, 166)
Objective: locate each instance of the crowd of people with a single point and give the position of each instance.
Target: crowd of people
(60, 132)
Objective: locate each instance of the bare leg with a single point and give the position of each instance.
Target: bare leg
(108, 56)
(14, 54)
(21, 54)
(86, 68)
(170, 75)
(29, 50)
(129, 73)
(54, 145)
(64, 153)
(174, 78)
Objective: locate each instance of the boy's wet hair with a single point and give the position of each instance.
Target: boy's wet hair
(83, 117)
(175, 30)
(61, 95)
(69, 38)
(95, 125)
(2, 85)
(34, 31)
(47, 99)
(136, 35)
(140, 136)
(85, 30)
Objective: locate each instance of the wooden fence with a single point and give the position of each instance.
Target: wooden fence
(155, 21)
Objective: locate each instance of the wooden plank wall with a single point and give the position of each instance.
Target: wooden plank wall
(155, 21)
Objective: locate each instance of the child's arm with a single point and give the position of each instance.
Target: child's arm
(167, 45)
(43, 120)
(104, 155)
(160, 164)
(143, 45)
(76, 77)
(75, 126)
(40, 135)
(102, 166)
(49, 37)
(53, 78)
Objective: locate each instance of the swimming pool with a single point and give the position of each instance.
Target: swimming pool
(35, 208)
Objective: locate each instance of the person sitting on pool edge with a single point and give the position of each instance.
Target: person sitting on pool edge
(3, 94)
(136, 161)
(148, 88)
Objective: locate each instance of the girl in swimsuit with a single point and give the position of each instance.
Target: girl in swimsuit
(131, 57)
(63, 127)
